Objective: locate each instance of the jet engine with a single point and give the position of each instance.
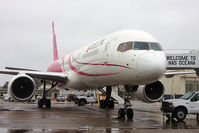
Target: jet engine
(151, 92)
(21, 87)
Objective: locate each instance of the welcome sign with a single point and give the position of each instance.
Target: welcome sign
(185, 60)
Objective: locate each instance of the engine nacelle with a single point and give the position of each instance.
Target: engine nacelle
(151, 92)
(21, 87)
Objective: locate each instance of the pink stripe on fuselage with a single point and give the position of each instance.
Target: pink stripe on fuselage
(56, 67)
(82, 73)
(102, 64)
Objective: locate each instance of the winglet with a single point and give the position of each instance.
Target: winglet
(55, 52)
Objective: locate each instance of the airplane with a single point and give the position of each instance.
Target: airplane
(131, 58)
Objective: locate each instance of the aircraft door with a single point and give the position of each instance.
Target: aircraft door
(108, 54)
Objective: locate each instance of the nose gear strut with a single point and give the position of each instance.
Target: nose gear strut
(127, 111)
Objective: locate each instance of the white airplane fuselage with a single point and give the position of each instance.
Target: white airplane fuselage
(100, 63)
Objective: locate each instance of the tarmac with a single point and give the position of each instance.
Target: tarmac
(66, 117)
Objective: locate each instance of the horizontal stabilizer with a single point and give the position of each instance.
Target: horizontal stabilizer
(21, 69)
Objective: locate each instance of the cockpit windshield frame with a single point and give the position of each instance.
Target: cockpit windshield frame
(155, 46)
(136, 45)
(141, 46)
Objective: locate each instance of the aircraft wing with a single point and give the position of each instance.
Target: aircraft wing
(173, 73)
(52, 76)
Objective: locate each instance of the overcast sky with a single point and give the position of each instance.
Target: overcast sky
(26, 36)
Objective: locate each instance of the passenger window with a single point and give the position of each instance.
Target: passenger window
(155, 46)
(121, 47)
(128, 46)
(141, 46)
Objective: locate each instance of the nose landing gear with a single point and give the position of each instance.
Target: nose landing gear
(126, 111)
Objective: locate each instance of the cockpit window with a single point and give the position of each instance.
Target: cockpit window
(155, 46)
(128, 46)
(121, 47)
(141, 46)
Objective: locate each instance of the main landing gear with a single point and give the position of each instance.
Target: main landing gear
(126, 111)
(44, 101)
(108, 103)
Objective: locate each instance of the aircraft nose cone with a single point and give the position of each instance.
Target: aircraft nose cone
(151, 66)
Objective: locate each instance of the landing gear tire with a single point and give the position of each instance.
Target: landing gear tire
(112, 104)
(48, 103)
(129, 113)
(44, 102)
(108, 103)
(127, 103)
(102, 105)
(121, 113)
(40, 103)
